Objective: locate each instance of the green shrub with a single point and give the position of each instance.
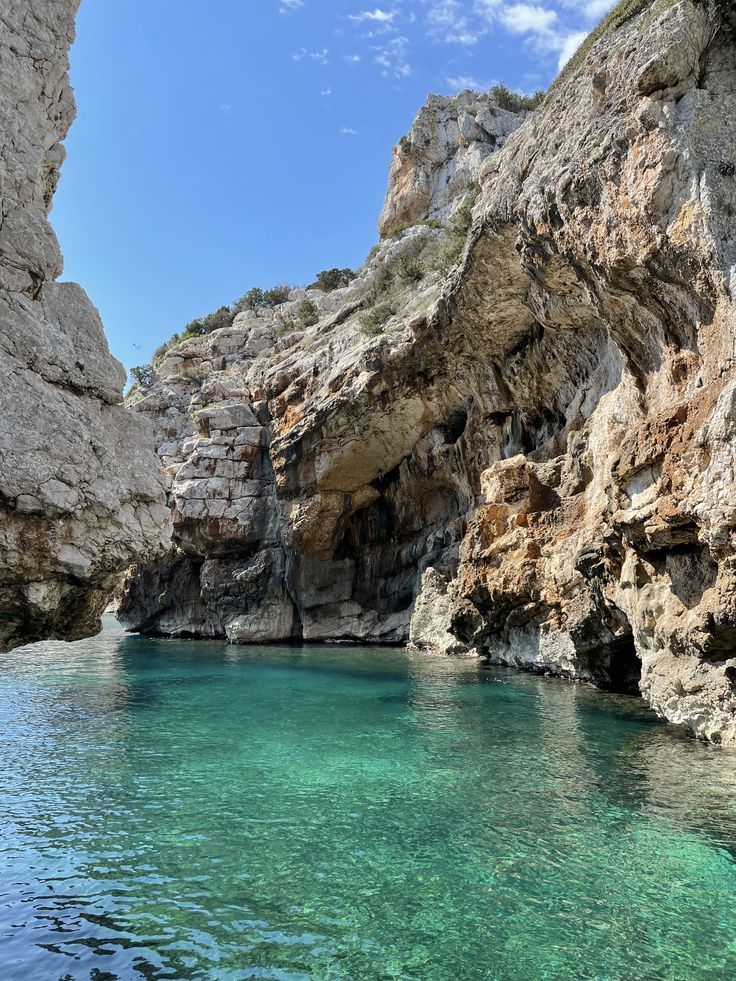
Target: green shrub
(257, 299)
(254, 299)
(276, 295)
(217, 320)
(462, 218)
(194, 373)
(332, 279)
(451, 249)
(373, 322)
(416, 260)
(382, 281)
(195, 328)
(144, 375)
(307, 314)
(205, 325)
(409, 268)
(506, 98)
(160, 352)
(287, 326)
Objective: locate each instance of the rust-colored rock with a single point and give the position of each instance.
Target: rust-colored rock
(547, 422)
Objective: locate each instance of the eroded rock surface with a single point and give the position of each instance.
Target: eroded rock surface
(605, 546)
(81, 495)
(435, 163)
(537, 451)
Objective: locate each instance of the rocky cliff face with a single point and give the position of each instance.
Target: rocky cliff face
(80, 491)
(604, 548)
(523, 447)
(433, 165)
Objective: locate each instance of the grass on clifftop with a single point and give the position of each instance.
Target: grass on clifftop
(621, 13)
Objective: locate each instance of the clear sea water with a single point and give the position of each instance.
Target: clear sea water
(193, 810)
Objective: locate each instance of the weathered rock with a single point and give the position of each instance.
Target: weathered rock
(608, 551)
(432, 615)
(254, 485)
(80, 492)
(548, 425)
(441, 156)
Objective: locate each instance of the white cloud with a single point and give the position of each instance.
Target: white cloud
(447, 22)
(327, 91)
(349, 131)
(597, 8)
(487, 12)
(389, 33)
(318, 56)
(287, 6)
(591, 9)
(391, 56)
(460, 82)
(376, 16)
(524, 18)
(569, 44)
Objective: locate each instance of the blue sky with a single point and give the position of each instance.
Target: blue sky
(223, 144)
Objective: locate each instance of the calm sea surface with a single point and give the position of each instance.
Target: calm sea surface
(194, 810)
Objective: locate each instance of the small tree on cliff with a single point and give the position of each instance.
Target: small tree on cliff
(254, 299)
(307, 314)
(506, 98)
(143, 375)
(257, 299)
(332, 279)
(276, 295)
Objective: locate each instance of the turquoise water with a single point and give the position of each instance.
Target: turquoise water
(191, 810)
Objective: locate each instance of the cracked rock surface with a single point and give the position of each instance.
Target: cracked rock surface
(533, 457)
(81, 496)
(441, 155)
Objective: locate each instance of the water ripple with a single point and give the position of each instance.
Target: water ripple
(190, 810)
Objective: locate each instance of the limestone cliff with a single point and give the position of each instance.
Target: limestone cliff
(526, 443)
(80, 492)
(442, 154)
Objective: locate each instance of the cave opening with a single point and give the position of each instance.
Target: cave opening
(371, 526)
(457, 423)
(623, 668)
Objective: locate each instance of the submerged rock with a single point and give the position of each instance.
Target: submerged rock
(523, 440)
(81, 496)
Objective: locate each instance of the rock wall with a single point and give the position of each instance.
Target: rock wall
(433, 165)
(284, 449)
(530, 453)
(81, 495)
(604, 548)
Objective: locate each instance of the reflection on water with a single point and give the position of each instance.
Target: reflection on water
(189, 810)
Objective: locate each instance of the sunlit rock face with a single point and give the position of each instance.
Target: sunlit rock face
(81, 496)
(604, 546)
(547, 424)
(433, 166)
